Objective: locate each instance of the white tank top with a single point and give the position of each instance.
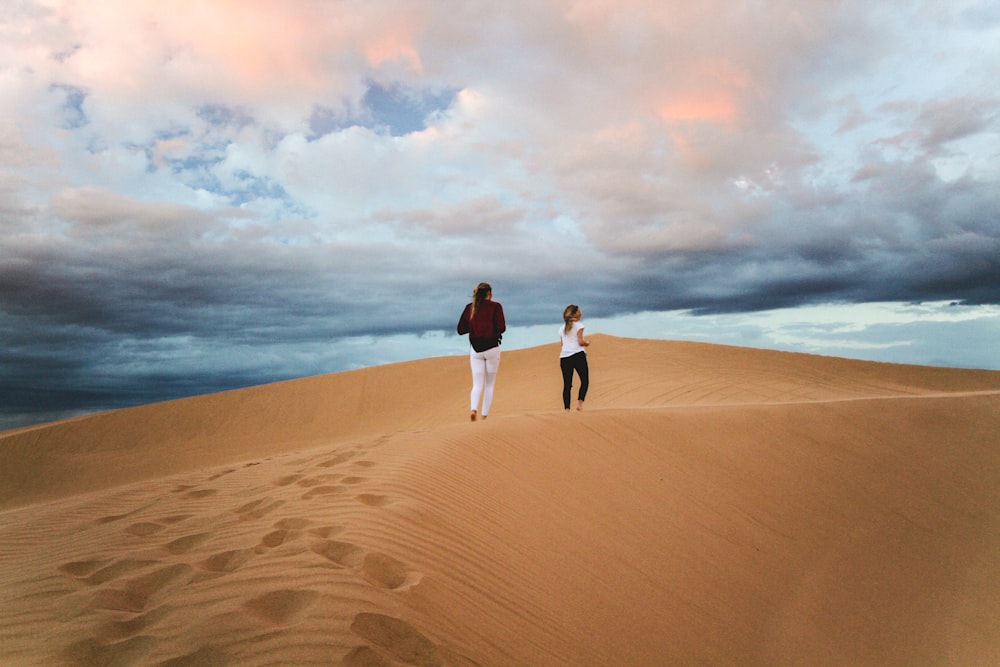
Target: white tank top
(570, 343)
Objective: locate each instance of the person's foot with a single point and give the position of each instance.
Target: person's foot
(484, 417)
(579, 405)
(472, 416)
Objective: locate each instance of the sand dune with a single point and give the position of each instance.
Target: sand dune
(713, 505)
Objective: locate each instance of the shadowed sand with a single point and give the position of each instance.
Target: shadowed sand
(711, 505)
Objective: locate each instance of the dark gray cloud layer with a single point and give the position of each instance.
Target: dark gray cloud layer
(102, 317)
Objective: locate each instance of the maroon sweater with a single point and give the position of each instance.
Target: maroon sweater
(485, 328)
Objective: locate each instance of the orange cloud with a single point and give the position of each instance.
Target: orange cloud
(718, 107)
(258, 47)
(394, 45)
(709, 90)
(244, 49)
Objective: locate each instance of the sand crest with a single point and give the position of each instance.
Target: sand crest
(713, 505)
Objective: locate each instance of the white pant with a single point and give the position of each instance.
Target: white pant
(484, 376)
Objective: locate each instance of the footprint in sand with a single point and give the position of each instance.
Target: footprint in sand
(144, 529)
(376, 568)
(258, 508)
(221, 474)
(386, 572)
(398, 638)
(341, 553)
(113, 599)
(184, 544)
(282, 607)
(377, 442)
(327, 490)
(200, 493)
(373, 500)
(353, 480)
(227, 561)
(206, 656)
(284, 531)
(287, 479)
(114, 517)
(336, 460)
(364, 656)
(325, 532)
(115, 630)
(319, 479)
(275, 539)
(82, 568)
(111, 572)
(175, 518)
(92, 652)
(137, 593)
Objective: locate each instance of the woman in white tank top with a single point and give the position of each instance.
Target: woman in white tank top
(573, 356)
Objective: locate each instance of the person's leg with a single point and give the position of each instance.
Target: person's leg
(478, 366)
(584, 371)
(492, 364)
(566, 365)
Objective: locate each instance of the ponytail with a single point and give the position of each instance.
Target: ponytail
(568, 313)
(479, 295)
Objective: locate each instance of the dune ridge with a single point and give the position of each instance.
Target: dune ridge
(711, 505)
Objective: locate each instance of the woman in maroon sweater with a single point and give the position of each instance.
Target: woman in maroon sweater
(483, 321)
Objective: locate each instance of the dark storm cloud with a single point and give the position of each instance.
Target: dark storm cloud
(109, 301)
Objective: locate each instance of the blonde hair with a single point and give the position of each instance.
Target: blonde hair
(479, 295)
(568, 314)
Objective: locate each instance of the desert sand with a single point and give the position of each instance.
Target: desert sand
(711, 505)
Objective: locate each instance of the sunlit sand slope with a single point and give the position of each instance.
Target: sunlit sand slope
(712, 505)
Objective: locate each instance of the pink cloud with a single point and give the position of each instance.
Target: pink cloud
(244, 53)
(394, 44)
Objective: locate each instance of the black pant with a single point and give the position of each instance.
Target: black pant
(578, 363)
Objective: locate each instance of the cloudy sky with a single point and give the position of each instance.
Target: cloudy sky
(208, 194)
